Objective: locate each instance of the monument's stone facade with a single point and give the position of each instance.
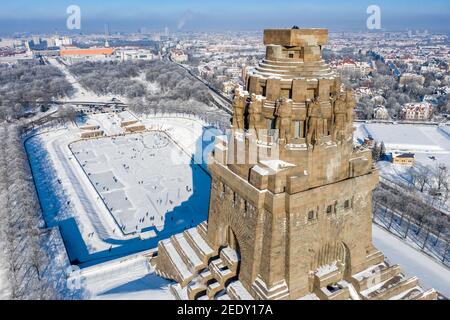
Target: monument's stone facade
(291, 200)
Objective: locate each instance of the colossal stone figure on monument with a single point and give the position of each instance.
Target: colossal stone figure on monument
(255, 111)
(238, 109)
(315, 122)
(283, 113)
(351, 104)
(340, 117)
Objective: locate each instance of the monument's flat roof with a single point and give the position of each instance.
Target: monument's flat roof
(296, 37)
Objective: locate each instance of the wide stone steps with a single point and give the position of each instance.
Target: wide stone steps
(183, 274)
(230, 258)
(375, 257)
(221, 272)
(212, 280)
(178, 292)
(377, 276)
(199, 245)
(187, 254)
(213, 288)
(390, 288)
(236, 291)
(279, 291)
(224, 297)
(205, 276)
(194, 290)
(202, 229)
(428, 295)
(201, 272)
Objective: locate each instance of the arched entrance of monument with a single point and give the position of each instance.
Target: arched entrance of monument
(231, 239)
(332, 258)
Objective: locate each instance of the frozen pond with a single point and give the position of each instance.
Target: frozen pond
(140, 183)
(116, 196)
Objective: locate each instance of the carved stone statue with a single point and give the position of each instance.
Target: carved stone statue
(255, 111)
(238, 110)
(340, 117)
(283, 113)
(315, 122)
(351, 104)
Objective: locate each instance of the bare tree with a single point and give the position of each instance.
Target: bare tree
(441, 176)
(421, 177)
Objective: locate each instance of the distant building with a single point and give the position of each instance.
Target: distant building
(64, 41)
(369, 142)
(76, 52)
(135, 54)
(179, 56)
(404, 159)
(417, 111)
(229, 87)
(381, 113)
(411, 77)
(350, 66)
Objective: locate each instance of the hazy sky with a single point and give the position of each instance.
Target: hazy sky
(198, 15)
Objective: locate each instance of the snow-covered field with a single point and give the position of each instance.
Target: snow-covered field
(140, 182)
(128, 278)
(426, 141)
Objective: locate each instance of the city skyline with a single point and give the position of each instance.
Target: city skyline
(129, 16)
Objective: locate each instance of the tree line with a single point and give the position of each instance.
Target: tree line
(28, 84)
(416, 218)
(23, 247)
(433, 181)
(153, 87)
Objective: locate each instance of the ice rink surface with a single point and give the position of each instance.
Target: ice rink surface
(141, 178)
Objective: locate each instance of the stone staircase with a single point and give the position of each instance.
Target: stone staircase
(384, 282)
(375, 257)
(183, 256)
(201, 273)
(215, 279)
(378, 282)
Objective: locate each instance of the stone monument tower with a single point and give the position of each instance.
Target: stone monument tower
(290, 213)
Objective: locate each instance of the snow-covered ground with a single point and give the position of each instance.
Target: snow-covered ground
(413, 262)
(128, 278)
(429, 143)
(4, 283)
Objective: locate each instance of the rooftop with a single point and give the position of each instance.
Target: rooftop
(296, 37)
